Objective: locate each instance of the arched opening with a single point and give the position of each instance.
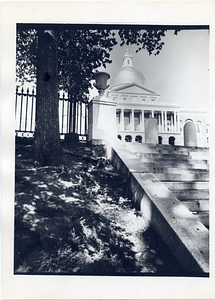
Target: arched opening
(119, 137)
(160, 140)
(128, 138)
(138, 139)
(172, 140)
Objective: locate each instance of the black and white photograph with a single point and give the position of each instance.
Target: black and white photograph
(111, 151)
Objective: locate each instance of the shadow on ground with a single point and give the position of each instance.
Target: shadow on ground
(78, 219)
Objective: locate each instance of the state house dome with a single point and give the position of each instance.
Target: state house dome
(127, 74)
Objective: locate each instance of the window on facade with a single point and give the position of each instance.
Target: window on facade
(172, 140)
(146, 115)
(199, 126)
(119, 137)
(136, 121)
(138, 139)
(127, 120)
(168, 125)
(128, 138)
(169, 117)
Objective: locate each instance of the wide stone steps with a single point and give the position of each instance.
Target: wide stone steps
(184, 170)
(180, 185)
(183, 177)
(203, 217)
(191, 194)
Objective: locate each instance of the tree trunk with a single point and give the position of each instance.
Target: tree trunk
(47, 146)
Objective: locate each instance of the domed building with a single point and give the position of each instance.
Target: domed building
(127, 75)
(136, 102)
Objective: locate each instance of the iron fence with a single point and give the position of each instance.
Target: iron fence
(73, 115)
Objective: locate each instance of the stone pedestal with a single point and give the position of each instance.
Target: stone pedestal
(190, 137)
(151, 131)
(102, 120)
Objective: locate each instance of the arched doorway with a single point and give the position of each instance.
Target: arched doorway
(128, 138)
(172, 140)
(160, 140)
(138, 139)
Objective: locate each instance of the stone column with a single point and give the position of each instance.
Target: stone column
(143, 121)
(165, 120)
(172, 126)
(132, 120)
(159, 122)
(122, 120)
(152, 113)
(162, 120)
(175, 127)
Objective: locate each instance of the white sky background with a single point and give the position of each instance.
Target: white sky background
(180, 73)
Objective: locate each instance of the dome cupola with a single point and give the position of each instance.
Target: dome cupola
(127, 74)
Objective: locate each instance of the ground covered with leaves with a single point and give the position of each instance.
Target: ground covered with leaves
(78, 219)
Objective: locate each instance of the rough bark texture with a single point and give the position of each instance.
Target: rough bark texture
(47, 146)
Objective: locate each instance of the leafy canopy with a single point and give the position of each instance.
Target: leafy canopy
(80, 52)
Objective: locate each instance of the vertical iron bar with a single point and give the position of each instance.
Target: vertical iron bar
(16, 100)
(80, 116)
(26, 112)
(77, 117)
(74, 115)
(86, 118)
(32, 107)
(62, 113)
(20, 124)
(68, 116)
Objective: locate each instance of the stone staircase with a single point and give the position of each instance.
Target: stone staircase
(184, 171)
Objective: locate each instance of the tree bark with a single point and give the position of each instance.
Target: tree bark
(47, 146)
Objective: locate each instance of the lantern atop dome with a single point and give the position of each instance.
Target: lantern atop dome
(127, 60)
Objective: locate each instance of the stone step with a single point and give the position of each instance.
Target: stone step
(196, 185)
(184, 170)
(191, 194)
(171, 157)
(182, 177)
(196, 173)
(170, 148)
(204, 218)
(163, 165)
(144, 148)
(197, 205)
(199, 155)
(165, 156)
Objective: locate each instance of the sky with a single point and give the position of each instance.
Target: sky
(180, 73)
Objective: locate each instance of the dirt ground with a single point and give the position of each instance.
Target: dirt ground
(78, 219)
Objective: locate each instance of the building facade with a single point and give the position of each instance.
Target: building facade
(135, 102)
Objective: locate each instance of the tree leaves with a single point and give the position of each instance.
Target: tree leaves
(80, 52)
